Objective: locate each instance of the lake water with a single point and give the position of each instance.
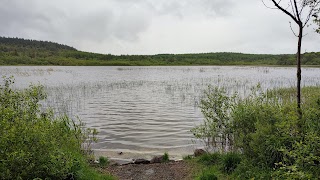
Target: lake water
(146, 110)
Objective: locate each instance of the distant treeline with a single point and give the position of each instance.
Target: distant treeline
(17, 51)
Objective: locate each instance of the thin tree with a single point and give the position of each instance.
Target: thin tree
(300, 11)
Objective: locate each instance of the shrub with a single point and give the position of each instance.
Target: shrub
(247, 169)
(215, 131)
(35, 144)
(266, 129)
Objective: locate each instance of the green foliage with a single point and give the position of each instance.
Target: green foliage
(230, 162)
(207, 174)
(92, 174)
(16, 51)
(33, 143)
(209, 159)
(266, 128)
(216, 130)
(248, 169)
(103, 161)
(165, 157)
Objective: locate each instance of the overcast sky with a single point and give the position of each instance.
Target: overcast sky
(155, 26)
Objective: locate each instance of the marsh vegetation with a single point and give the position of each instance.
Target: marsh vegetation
(133, 107)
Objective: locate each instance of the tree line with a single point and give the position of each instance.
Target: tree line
(18, 51)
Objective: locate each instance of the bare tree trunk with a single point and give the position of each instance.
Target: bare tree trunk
(299, 71)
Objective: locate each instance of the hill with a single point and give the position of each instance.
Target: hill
(18, 51)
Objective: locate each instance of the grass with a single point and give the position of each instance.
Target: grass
(208, 166)
(103, 161)
(90, 173)
(165, 157)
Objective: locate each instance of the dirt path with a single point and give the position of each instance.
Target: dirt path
(158, 171)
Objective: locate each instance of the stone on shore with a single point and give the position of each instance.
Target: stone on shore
(157, 159)
(141, 161)
(199, 152)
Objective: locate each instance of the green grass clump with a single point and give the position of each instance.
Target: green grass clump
(34, 143)
(230, 162)
(187, 157)
(208, 174)
(165, 157)
(209, 159)
(103, 161)
(89, 173)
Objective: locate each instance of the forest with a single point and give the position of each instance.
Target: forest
(18, 51)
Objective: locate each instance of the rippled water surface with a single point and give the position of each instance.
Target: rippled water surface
(146, 109)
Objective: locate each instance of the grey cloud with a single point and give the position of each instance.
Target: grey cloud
(16, 16)
(80, 20)
(94, 26)
(122, 20)
(214, 8)
(146, 26)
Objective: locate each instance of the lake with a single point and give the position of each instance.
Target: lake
(146, 110)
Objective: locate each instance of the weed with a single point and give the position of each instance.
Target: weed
(187, 157)
(230, 162)
(209, 159)
(103, 161)
(165, 157)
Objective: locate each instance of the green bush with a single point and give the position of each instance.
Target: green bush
(35, 144)
(247, 169)
(215, 131)
(266, 129)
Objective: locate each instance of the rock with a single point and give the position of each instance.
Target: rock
(141, 161)
(113, 163)
(157, 159)
(149, 172)
(199, 152)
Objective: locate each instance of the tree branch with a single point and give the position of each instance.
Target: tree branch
(304, 3)
(293, 30)
(297, 11)
(311, 12)
(292, 8)
(285, 11)
(267, 6)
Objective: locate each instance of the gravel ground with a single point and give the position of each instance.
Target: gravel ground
(171, 170)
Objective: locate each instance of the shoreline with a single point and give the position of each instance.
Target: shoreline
(126, 157)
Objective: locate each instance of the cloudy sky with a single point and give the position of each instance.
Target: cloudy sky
(155, 26)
